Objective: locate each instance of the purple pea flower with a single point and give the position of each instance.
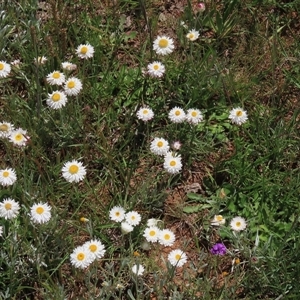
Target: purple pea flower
(218, 249)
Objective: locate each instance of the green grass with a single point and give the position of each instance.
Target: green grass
(246, 56)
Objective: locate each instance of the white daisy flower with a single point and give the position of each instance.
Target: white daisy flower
(57, 100)
(6, 129)
(166, 237)
(117, 214)
(238, 224)
(73, 86)
(19, 137)
(16, 63)
(73, 171)
(96, 248)
(138, 270)
(172, 163)
(85, 51)
(133, 218)
(218, 220)
(145, 114)
(156, 69)
(152, 222)
(4, 69)
(9, 208)
(40, 213)
(238, 116)
(192, 35)
(68, 66)
(56, 77)
(126, 228)
(7, 177)
(81, 257)
(177, 258)
(177, 115)
(159, 146)
(163, 45)
(194, 116)
(151, 234)
(40, 60)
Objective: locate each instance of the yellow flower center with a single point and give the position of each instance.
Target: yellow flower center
(5, 174)
(132, 217)
(238, 224)
(219, 218)
(172, 163)
(163, 43)
(194, 114)
(117, 214)
(39, 210)
(156, 67)
(93, 248)
(1, 66)
(84, 50)
(56, 75)
(177, 112)
(177, 256)
(167, 236)
(191, 36)
(80, 256)
(239, 113)
(73, 169)
(71, 84)
(152, 233)
(19, 137)
(160, 144)
(145, 111)
(7, 206)
(56, 97)
(3, 127)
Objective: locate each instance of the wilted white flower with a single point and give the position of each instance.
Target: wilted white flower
(218, 220)
(138, 270)
(192, 35)
(126, 228)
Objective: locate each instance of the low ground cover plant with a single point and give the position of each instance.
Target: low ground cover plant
(150, 149)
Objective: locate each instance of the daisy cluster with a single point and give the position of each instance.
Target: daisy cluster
(237, 223)
(152, 234)
(39, 212)
(70, 86)
(17, 136)
(82, 256)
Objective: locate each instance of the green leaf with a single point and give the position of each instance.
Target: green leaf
(194, 196)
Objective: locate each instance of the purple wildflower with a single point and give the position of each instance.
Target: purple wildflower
(218, 249)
